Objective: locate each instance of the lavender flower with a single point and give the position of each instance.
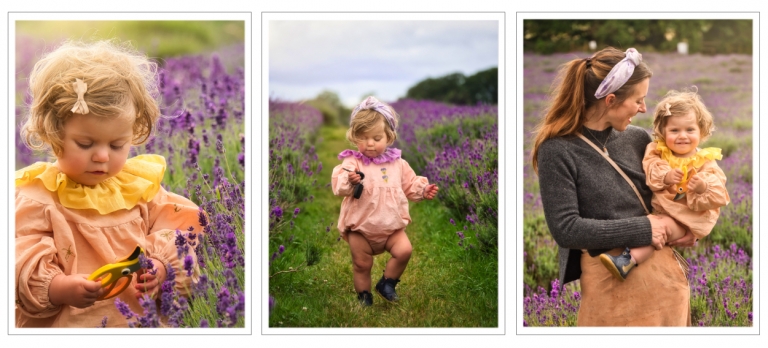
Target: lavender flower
(202, 218)
(224, 301)
(277, 212)
(124, 309)
(188, 265)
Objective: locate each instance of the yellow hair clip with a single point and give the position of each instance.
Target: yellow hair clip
(115, 277)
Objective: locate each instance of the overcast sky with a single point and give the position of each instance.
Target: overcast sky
(353, 58)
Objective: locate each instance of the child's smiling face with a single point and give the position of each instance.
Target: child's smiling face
(95, 148)
(372, 143)
(682, 134)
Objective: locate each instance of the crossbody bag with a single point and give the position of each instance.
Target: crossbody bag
(680, 259)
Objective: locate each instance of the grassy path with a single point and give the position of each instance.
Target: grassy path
(443, 286)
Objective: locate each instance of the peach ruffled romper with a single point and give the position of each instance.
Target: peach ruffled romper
(66, 228)
(697, 211)
(382, 209)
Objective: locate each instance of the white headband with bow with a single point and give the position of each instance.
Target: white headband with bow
(619, 74)
(372, 103)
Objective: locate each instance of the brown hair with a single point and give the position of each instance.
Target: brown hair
(573, 93)
(365, 120)
(116, 75)
(680, 103)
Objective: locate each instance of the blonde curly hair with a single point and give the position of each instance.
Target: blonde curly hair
(116, 75)
(680, 103)
(365, 120)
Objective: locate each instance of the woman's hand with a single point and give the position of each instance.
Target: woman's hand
(659, 232)
(674, 176)
(74, 290)
(148, 283)
(688, 240)
(354, 178)
(430, 191)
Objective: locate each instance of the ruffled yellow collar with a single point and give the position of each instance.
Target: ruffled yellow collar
(139, 180)
(695, 161)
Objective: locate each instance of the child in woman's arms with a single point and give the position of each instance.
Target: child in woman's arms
(688, 184)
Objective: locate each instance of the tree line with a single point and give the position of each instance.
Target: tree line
(479, 88)
(706, 36)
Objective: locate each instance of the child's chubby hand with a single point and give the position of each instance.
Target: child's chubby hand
(74, 290)
(674, 176)
(697, 184)
(430, 191)
(354, 178)
(148, 283)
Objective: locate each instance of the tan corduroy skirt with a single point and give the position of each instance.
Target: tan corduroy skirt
(656, 293)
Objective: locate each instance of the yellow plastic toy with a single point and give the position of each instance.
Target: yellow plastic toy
(115, 277)
(682, 188)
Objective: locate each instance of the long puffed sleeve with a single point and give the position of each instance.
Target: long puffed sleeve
(37, 262)
(716, 195)
(340, 177)
(173, 220)
(413, 185)
(655, 168)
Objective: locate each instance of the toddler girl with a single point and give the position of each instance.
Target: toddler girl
(688, 185)
(89, 104)
(377, 185)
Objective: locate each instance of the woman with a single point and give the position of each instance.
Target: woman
(589, 206)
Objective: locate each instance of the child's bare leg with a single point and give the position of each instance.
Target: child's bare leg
(620, 265)
(675, 230)
(362, 261)
(399, 246)
(640, 254)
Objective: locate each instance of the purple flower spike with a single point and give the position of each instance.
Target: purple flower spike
(202, 218)
(277, 212)
(124, 309)
(188, 263)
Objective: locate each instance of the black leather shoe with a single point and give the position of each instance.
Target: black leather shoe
(386, 288)
(365, 298)
(618, 265)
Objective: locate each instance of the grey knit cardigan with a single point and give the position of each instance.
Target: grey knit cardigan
(587, 203)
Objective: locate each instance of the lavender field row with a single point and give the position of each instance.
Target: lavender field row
(454, 146)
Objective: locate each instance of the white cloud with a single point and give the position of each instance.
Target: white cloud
(355, 57)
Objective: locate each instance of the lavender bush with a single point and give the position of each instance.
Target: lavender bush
(293, 168)
(456, 147)
(725, 84)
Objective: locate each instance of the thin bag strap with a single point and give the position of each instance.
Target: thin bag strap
(605, 155)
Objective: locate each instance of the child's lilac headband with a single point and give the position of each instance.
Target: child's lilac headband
(620, 73)
(372, 103)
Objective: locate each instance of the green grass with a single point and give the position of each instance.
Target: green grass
(443, 286)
